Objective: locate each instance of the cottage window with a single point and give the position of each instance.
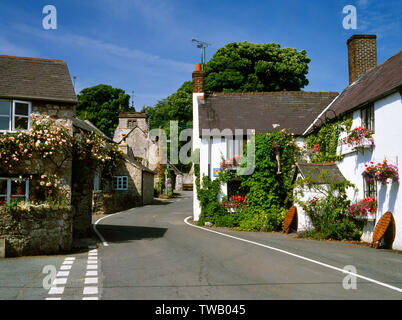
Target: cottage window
(13, 189)
(369, 189)
(120, 183)
(130, 124)
(14, 115)
(367, 116)
(234, 147)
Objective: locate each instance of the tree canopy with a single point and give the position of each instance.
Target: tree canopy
(237, 67)
(178, 106)
(101, 105)
(249, 67)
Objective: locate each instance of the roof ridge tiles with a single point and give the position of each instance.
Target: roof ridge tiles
(32, 59)
(218, 94)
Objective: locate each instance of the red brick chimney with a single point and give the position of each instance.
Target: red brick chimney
(362, 54)
(198, 79)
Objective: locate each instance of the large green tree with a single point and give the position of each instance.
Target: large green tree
(249, 67)
(101, 105)
(178, 106)
(237, 67)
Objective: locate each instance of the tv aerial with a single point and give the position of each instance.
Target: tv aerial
(202, 45)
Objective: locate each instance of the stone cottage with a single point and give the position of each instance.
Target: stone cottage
(133, 132)
(31, 87)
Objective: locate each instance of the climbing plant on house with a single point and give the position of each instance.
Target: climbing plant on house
(268, 189)
(323, 143)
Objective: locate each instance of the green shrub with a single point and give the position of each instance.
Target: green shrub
(329, 214)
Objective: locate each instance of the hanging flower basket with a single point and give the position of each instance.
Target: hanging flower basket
(364, 209)
(382, 172)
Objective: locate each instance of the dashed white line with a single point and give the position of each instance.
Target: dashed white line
(91, 277)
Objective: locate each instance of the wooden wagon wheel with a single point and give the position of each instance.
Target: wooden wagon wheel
(290, 220)
(384, 229)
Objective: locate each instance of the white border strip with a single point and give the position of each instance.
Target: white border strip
(98, 233)
(297, 256)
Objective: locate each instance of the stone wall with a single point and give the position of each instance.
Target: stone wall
(148, 188)
(107, 203)
(36, 230)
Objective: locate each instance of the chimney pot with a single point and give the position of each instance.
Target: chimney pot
(198, 79)
(362, 55)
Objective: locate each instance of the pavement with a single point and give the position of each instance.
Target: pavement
(156, 253)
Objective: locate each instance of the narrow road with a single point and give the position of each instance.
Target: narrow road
(152, 253)
(156, 253)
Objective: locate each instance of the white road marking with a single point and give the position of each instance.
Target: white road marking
(92, 258)
(90, 290)
(90, 298)
(68, 262)
(91, 281)
(53, 299)
(62, 274)
(59, 281)
(92, 267)
(98, 233)
(92, 261)
(297, 256)
(65, 267)
(92, 273)
(56, 290)
(69, 259)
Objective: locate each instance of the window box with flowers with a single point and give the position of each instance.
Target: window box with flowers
(364, 209)
(360, 138)
(231, 164)
(382, 172)
(236, 204)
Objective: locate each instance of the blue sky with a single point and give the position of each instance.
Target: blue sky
(145, 45)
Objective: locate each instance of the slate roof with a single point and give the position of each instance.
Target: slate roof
(321, 173)
(89, 127)
(35, 79)
(376, 83)
(293, 110)
(132, 115)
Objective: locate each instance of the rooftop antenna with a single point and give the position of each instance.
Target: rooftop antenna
(202, 45)
(132, 99)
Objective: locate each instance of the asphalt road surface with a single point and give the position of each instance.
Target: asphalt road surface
(156, 253)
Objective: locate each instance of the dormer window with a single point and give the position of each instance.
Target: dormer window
(130, 124)
(14, 115)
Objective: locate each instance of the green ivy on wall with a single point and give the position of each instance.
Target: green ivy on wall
(269, 190)
(324, 143)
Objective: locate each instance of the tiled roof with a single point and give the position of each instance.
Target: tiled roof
(293, 110)
(369, 87)
(35, 79)
(321, 173)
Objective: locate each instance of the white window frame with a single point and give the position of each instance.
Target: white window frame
(11, 126)
(119, 185)
(8, 195)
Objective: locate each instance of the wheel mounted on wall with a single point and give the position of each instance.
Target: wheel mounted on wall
(290, 223)
(384, 230)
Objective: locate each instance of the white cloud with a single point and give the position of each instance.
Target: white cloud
(100, 48)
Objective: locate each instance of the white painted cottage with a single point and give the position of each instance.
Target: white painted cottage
(224, 122)
(373, 100)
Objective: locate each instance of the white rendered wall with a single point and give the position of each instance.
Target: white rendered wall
(388, 145)
(196, 145)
